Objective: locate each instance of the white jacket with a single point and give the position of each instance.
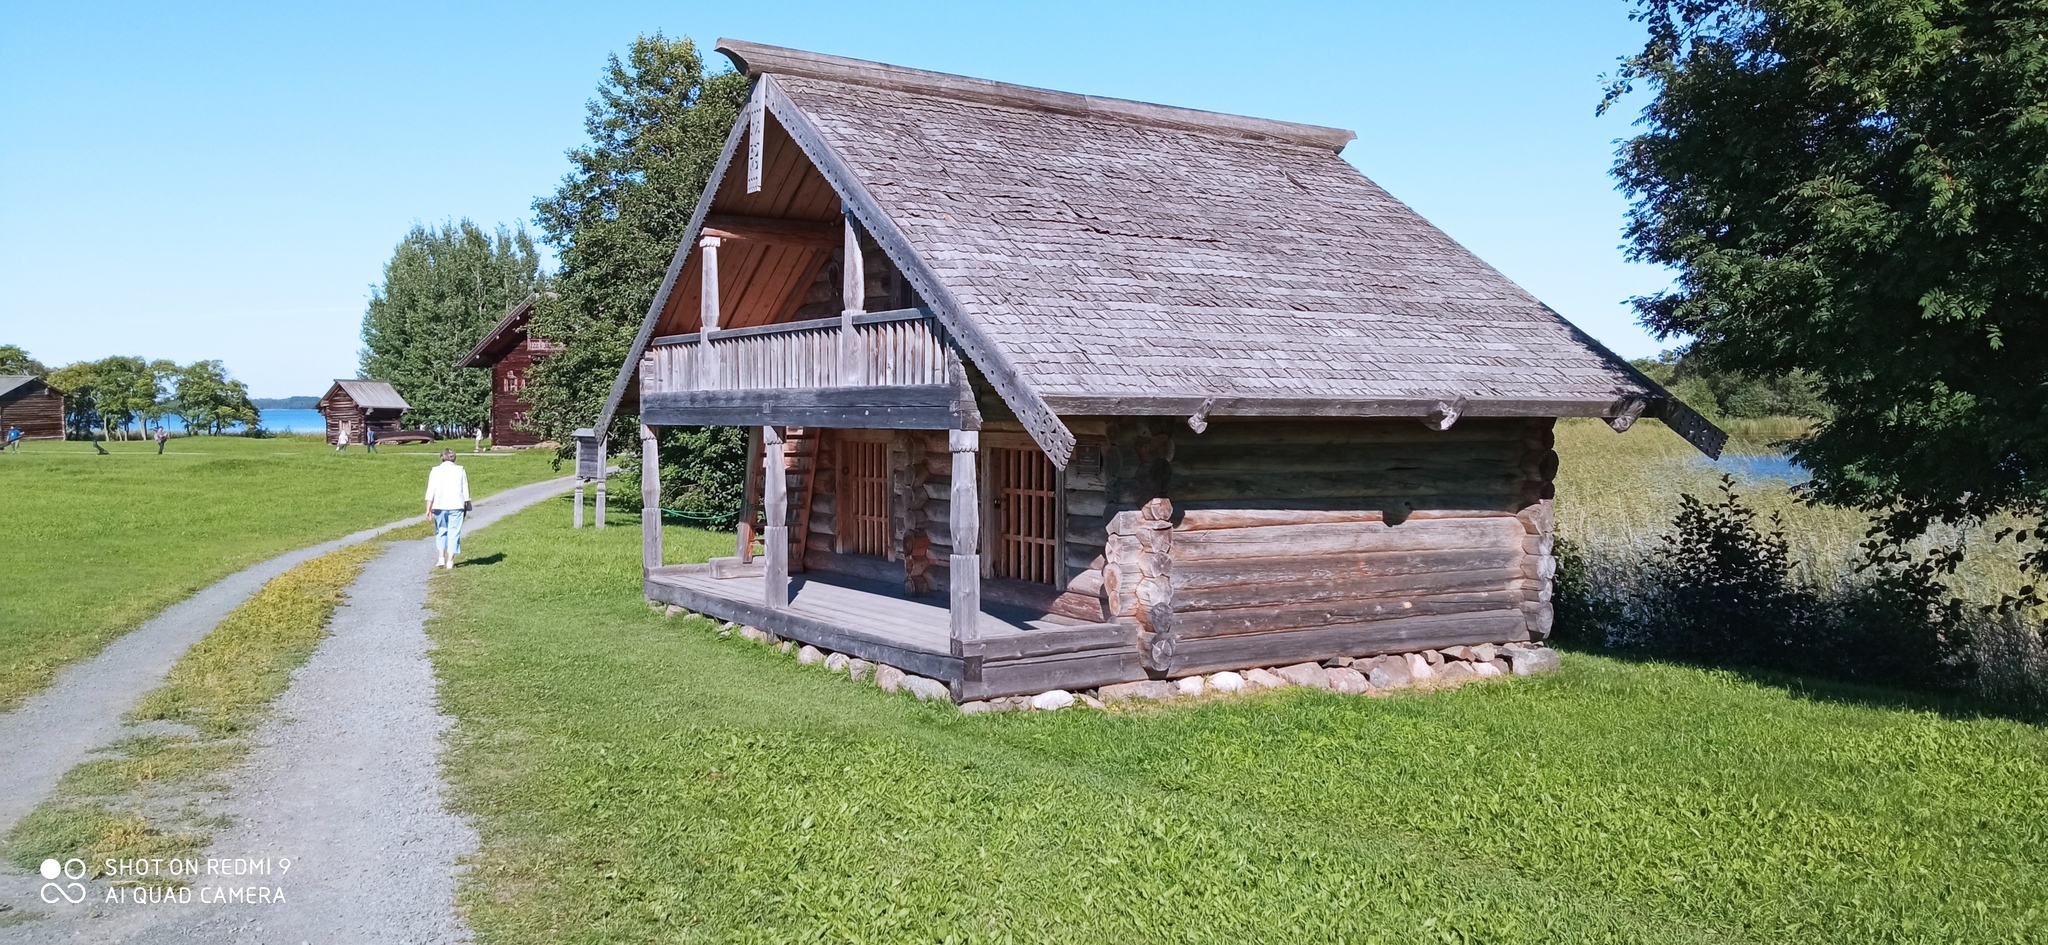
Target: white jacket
(447, 487)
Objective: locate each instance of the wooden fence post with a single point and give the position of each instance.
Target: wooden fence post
(576, 517)
(600, 503)
(650, 500)
(964, 518)
(774, 486)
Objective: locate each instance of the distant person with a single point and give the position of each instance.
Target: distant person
(447, 500)
(369, 438)
(479, 439)
(14, 438)
(341, 440)
(161, 436)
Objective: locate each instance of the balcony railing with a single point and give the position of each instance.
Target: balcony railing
(878, 349)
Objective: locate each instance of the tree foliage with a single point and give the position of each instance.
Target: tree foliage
(14, 360)
(1855, 189)
(1721, 394)
(444, 288)
(656, 129)
(209, 400)
(111, 393)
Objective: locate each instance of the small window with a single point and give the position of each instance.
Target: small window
(866, 496)
(1026, 488)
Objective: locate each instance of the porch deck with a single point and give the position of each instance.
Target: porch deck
(1019, 650)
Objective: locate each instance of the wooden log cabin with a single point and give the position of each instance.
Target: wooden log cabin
(360, 404)
(34, 407)
(509, 351)
(1054, 391)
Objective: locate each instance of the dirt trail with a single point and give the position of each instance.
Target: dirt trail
(343, 780)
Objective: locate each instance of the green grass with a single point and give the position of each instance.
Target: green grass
(98, 544)
(636, 778)
(135, 800)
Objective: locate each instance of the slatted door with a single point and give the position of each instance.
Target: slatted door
(1026, 489)
(864, 495)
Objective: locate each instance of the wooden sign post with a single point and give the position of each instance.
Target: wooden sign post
(589, 468)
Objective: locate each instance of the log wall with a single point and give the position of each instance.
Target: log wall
(341, 409)
(508, 403)
(39, 412)
(1256, 543)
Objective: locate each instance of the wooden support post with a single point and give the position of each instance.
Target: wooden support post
(964, 517)
(744, 549)
(707, 313)
(853, 293)
(576, 518)
(774, 486)
(600, 503)
(650, 500)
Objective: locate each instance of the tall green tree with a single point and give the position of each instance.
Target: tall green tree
(1856, 189)
(444, 288)
(210, 400)
(109, 394)
(15, 361)
(656, 128)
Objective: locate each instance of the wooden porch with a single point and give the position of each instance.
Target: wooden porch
(1012, 651)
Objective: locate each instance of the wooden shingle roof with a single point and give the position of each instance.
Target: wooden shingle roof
(1107, 256)
(368, 394)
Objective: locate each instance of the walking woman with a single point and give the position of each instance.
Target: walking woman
(447, 500)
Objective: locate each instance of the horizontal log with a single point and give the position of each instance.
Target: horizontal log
(1275, 541)
(1345, 587)
(1298, 433)
(1071, 671)
(924, 406)
(1232, 572)
(1088, 582)
(1281, 484)
(1052, 641)
(1216, 623)
(1174, 656)
(1087, 503)
(1339, 457)
(807, 233)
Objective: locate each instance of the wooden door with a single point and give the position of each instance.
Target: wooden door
(1025, 487)
(864, 494)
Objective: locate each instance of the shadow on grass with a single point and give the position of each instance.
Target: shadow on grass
(486, 559)
(1952, 705)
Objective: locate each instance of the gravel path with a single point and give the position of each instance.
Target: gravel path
(343, 781)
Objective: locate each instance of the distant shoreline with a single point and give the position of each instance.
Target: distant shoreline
(285, 403)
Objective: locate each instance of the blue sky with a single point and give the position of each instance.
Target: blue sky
(226, 181)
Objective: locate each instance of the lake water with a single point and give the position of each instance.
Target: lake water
(1756, 467)
(276, 421)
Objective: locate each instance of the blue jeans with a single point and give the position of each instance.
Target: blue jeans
(448, 531)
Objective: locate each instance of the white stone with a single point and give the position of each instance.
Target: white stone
(809, 656)
(1055, 699)
(859, 670)
(1485, 653)
(1347, 680)
(675, 611)
(1419, 668)
(1529, 662)
(755, 634)
(1256, 679)
(1189, 685)
(1309, 675)
(1486, 670)
(1226, 681)
(889, 677)
(976, 707)
(837, 662)
(785, 645)
(927, 690)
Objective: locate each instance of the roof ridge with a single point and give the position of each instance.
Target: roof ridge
(756, 59)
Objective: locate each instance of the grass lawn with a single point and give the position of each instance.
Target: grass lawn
(95, 545)
(635, 778)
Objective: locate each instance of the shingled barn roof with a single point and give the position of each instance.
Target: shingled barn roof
(368, 395)
(1099, 256)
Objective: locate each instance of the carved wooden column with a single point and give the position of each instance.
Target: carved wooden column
(707, 314)
(853, 291)
(965, 521)
(650, 500)
(774, 486)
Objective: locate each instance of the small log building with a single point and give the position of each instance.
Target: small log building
(360, 403)
(510, 351)
(35, 407)
(1054, 391)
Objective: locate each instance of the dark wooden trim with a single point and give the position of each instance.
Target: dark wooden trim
(916, 407)
(1417, 407)
(795, 626)
(809, 324)
(1178, 657)
(810, 233)
(757, 59)
(1044, 425)
(675, 271)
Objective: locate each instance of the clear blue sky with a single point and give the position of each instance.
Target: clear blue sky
(225, 181)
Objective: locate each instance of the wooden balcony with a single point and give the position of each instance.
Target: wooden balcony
(873, 370)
